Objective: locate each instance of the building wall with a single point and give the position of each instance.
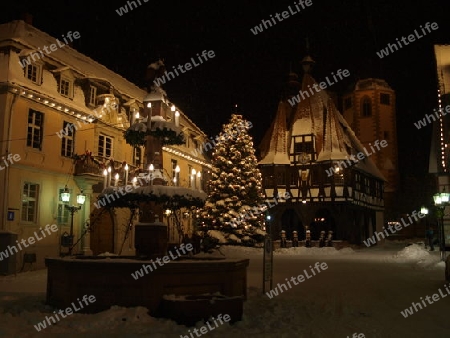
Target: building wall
(380, 125)
(52, 171)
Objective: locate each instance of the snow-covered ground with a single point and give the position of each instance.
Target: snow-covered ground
(362, 291)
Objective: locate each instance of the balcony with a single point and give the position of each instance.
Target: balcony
(90, 165)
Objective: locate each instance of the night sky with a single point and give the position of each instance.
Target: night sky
(250, 70)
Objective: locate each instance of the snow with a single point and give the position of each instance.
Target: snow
(218, 235)
(303, 251)
(363, 290)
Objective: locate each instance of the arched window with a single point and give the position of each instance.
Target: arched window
(366, 107)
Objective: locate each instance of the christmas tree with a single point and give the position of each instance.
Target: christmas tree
(235, 204)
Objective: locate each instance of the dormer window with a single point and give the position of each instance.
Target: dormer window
(65, 80)
(302, 149)
(65, 87)
(33, 72)
(92, 95)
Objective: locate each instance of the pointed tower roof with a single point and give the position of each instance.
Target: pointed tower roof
(317, 114)
(334, 140)
(274, 145)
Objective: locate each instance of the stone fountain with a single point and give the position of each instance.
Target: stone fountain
(185, 289)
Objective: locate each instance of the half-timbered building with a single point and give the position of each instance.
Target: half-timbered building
(311, 152)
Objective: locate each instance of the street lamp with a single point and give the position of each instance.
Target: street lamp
(423, 211)
(441, 200)
(65, 197)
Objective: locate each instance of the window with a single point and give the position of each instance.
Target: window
(317, 177)
(294, 178)
(105, 146)
(357, 182)
(92, 95)
(63, 212)
(35, 129)
(281, 178)
(303, 147)
(385, 99)
(65, 87)
(366, 107)
(339, 177)
(137, 156)
(30, 193)
(68, 139)
(33, 73)
(347, 102)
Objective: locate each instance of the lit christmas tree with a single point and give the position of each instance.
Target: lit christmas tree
(235, 204)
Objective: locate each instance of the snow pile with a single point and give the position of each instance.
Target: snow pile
(417, 254)
(108, 254)
(413, 251)
(234, 238)
(314, 251)
(240, 251)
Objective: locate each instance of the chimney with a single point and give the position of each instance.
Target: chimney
(28, 18)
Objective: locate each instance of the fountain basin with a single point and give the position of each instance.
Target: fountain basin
(110, 280)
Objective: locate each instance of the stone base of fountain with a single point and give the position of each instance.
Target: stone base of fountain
(110, 280)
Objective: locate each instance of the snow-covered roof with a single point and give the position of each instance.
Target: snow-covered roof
(32, 38)
(28, 39)
(315, 115)
(277, 149)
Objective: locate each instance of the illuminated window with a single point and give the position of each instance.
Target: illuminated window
(67, 139)
(30, 194)
(65, 87)
(63, 212)
(105, 146)
(35, 129)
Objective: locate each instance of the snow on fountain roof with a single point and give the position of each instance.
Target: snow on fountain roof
(157, 122)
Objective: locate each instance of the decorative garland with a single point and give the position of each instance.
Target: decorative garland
(131, 200)
(137, 138)
(168, 136)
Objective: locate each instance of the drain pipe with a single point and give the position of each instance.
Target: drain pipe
(6, 176)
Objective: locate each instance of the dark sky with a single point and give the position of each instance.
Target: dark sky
(250, 70)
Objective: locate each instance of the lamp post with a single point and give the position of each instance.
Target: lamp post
(441, 200)
(65, 197)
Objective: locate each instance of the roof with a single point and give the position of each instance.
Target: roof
(29, 39)
(316, 115)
